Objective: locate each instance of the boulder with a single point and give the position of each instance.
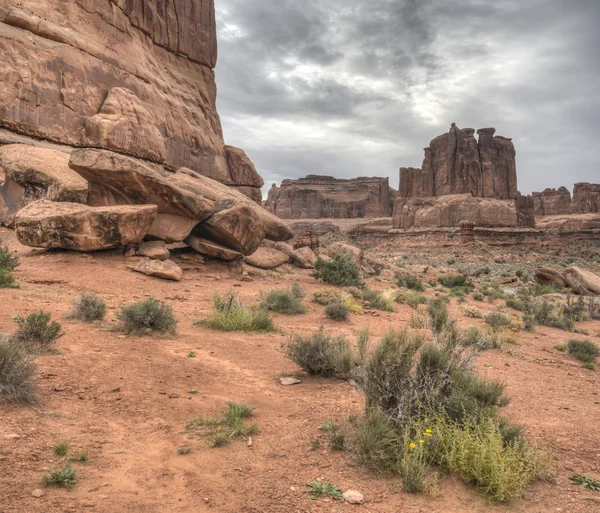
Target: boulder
(304, 258)
(212, 249)
(284, 248)
(124, 125)
(267, 258)
(275, 229)
(243, 172)
(171, 228)
(308, 239)
(118, 180)
(156, 250)
(353, 497)
(338, 248)
(318, 197)
(46, 224)
(34, 173)
(237, 227)
(546, 275)
(164, 269)
(586, 198)
(582, 282)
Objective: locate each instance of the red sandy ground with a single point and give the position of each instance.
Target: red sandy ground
(109, 396)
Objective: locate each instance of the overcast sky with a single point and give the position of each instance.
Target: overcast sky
(359, 87)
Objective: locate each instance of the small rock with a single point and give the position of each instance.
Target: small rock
(353, 497)
(174, 396)
(103, 496)
(286, 382)
(37, 493)
(12, 436)
(155, 249)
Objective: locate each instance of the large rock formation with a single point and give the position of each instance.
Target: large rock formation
(463, 179)
(586, 198)
(132, 76)
(319, 197)
(552, 202)
(457, 163)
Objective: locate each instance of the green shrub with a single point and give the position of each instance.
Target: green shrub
(321, 354)
(337, 311)
(454, 280)
(438, 315)
(230, 314)
(497, 321)
(329, 296)
(336, 435)
(9, 260)
(478, 296)
(282, 301)
(231, 424)
(474, 337)
(148, 316)
(341, 271)
(411, 282)
(65, 478)
(584, 350)
(36, 331)
(410, 298)
(379, 300)
(88, 308)
(17, 372)
(326, 489)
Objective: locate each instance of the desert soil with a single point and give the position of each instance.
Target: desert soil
(126, 401)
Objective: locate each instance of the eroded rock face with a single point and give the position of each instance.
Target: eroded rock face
(46, 224)
(525, 206)
(457, 163)
(569, 222)
(450, 210)
(586, 198)
(134, 76)
(318, 197)
(31, 174)
(552, 202)
(213, 249)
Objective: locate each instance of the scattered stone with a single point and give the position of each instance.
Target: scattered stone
(164, 269)
(267, 258)
(304, 258)
(37, 493)
(12, 436)
(353, 497)
(157, 250)
(212, 249)
(46, 224)
(286, 382)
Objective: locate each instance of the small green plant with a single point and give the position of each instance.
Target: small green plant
(282, 301)
(454, 280)
(36, 332)
(329, 296)
(148, 316)
(411, 298)
(337, 311)
(9, 260)
(184, 450)
(341, 271)
(191, 354)
(62, 449)
(7, 280)
(478, 296)
(583, 350)
(586, 482)
(321, 354)
(88, 308)
(497, 321)
(65, 478)
(336, 435)
(17, 372)
(220, 431)
(230, 314)
(474, 337)
(380, 300)
(318, 489)
(411, 282)
(78, 458)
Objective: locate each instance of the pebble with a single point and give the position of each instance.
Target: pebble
(286, 382)
(12, 436)
(37, 493)
(353, 497)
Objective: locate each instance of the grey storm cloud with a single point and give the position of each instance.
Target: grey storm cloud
(357, 88)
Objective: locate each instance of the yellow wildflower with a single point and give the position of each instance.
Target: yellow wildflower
(411, 445)
(421, 441)
(427, 434)
(428, 431)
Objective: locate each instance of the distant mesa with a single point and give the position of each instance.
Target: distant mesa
(326, 197)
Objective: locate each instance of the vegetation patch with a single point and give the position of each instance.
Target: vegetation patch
(231, 424)
(65, 477)
(329, 296)
(9, 261)
(341, 271)
(17, 372)
(88, 307)
(284, 301)
(411, 282)
(337, 311)
(318, 489)
(497, 321)
(150, 316)
(380, 300)
(36, 332)
(583, 350)
(230, 314)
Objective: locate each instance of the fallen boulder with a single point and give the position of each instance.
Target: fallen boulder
(545, 275)
(237, 227)
(582, 282)
(32, 174)
(156, 250)
(171, 228)
(275, 229)
(118, 180)
(164, 269)
(304, 258)
(212, 249)
(46, 224)
(338, 248)
(267, 258)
